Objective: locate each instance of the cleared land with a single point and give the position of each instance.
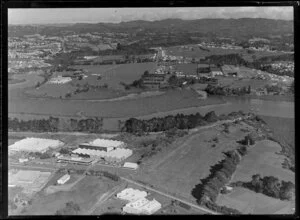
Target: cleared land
(267, 163)
(85, 194)
(193, 157)
(249, 202)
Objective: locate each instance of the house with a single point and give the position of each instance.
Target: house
(153, 80)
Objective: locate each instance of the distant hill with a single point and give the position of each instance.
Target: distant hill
(220, 27)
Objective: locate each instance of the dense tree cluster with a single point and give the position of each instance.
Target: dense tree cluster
(179, 121)
(206, 193)
(270, 186)
(227, 91)
(229, 59)
(53, 125)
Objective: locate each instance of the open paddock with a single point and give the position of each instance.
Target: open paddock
(267, 163)
(85, 194)
(188, 160)
(249, 202)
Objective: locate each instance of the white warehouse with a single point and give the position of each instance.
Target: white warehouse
(63, 179)
(35, 145)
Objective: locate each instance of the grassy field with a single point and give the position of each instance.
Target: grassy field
(267, 163)
(249, 202)
(197, 52)
(112, 75)
(179, 171)
(85, 194)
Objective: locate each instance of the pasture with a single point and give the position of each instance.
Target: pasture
(267, 163)
(181, 166)
(85, 194)
(249, 202)
(112, 75)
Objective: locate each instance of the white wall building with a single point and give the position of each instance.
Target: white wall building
(130, 165)
(142, 206)
(35, 145)
(63, 179)
(131, 195)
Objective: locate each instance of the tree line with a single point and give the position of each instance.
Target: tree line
(179, 121)
(207, 192)
(53, 124)
(226, 91)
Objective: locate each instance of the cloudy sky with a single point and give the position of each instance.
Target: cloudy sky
(115, 15)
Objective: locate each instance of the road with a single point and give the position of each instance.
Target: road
(171, 197)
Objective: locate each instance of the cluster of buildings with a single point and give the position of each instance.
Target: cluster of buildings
(283, 67)
(231, 46)
(110, 151)
(137, 202)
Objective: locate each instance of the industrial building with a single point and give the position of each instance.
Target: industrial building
(142, 206)
(35, 145)
(130, 165)
(75, 160)
(131, 194)
(63, 179)
(138, 203)
(153, 80)
(103, 145)
(109, 150)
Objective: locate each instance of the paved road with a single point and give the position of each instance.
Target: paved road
(171, 197)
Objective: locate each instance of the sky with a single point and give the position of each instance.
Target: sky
(116, 15)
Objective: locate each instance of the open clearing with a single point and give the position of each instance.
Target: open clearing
(179, 172)
(85, 194)
(249, 202)
(114, 74)
(267, 163)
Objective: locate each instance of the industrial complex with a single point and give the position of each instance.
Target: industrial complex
(138, 203)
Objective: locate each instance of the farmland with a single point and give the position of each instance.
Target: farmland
(267, 163)
(194, 154)
(197, 52)
(112, 75)
(249, 202)
(85, 194)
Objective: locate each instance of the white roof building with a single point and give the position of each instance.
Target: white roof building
(35, 144)
(142, 206)
(131, 165)
(63, 179)
(131, 195)
(107, 143)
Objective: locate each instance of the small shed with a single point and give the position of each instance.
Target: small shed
(130, 165)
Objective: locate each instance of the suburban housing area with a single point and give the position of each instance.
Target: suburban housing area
(166, 117)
